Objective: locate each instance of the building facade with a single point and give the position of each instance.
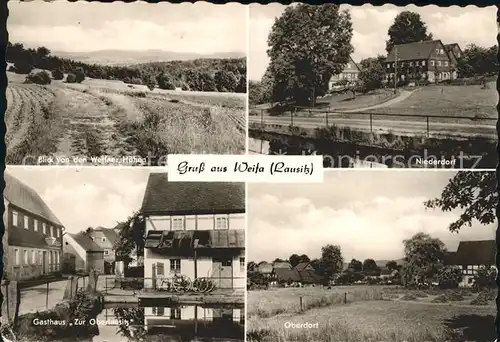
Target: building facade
(105, 238)
(33, 233)
(427, 60)
(195, 230)
(350, 73)
(81, 254)
(472, 256)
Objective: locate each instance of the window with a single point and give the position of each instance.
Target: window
(25, 257)
(178, 223)
(437, 51)
(423, 63)
(242, 264)
(44, 228)
(441, 52)
(393, 65)
(445, 63)
(175, 313)
(388, 65)
(106, 252)
(158, 311)
(411, 63)
(14, 218)
(51, 231)
(470, 281)
(175, 265)
(458, 54)
(26, 222)
(416, 63)
(221, 223)
(16, 256)
(160, 269)
(432, 63)
(439, 63)
(35, 225)
(40, 257)
(58, 232)
(33, 257)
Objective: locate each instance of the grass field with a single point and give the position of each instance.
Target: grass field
(100, 117)
(371, 313)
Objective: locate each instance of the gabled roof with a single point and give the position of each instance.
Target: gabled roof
(164, 197)
(475, 253)
(285, 274)
(302, 266)
(188, 239)
(109, 233)
(413, 51)
(24, 197)
(86, 242)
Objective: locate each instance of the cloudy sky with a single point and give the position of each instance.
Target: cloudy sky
(367, 213)
(370, 24)
(82, 26)
(87, 197)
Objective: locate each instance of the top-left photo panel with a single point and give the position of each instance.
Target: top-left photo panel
(124, 84)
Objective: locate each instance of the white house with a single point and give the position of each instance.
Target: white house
(196, 230)
(81, 253)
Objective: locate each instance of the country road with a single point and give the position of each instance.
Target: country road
(403, 127)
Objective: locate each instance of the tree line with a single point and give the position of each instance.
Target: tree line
(309, 44)
(204, 74)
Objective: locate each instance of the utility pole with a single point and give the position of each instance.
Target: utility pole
(395, 68)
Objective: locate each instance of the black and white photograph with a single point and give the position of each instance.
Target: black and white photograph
(124, 83)
(121, 254)
(368, 256)
(374, 86)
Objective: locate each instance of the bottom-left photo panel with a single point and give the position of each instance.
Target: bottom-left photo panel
(121, 254)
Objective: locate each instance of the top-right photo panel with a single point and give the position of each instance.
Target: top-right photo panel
(374, 86)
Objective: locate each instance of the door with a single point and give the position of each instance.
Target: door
(44, 260)
(223, 273)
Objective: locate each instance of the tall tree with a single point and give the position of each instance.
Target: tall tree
(308, 44)
(370, 267)
(294, 260)
(331, 261)
(372, 73)
(355, 265)
(304, 258)
(474, 193)
(408, 27)
(392, 265)
(424, 257)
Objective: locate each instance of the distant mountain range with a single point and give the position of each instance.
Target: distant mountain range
(127, 57)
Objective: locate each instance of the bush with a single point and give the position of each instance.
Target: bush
(23, 68)
(71, 78)
(165, 82)
(41, 77)
(79, 75)
(57, 74)
(485, 278)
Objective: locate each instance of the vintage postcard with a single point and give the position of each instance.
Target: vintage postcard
(121, 254)
(124, 83)
(373, 256)
(375, 86)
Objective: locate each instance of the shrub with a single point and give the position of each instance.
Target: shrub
(57, 74)
(79, 75)
(485, 278)
(165, 82)
(71, 78)
(41, 77)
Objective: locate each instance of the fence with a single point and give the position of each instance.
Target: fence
(368, 120)
(177, 284)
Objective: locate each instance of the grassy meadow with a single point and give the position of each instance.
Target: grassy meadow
(370, 313)
(100, 117)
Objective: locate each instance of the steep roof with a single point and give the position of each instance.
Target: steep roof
(86, 242)
(109, 233)
(23, 196)
(412, 51)
(164, 197)
(285, 274)
(302, 266)
(481, 252)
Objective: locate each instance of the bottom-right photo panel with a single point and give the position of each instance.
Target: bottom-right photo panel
(373, 256)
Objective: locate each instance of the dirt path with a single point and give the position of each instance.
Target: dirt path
(404, 94)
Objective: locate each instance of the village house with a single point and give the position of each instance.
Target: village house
(427, 60)
(470, 257)
(81, 254)
(350, 73)
(33, 234)
(196, 230)
(106, 239)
